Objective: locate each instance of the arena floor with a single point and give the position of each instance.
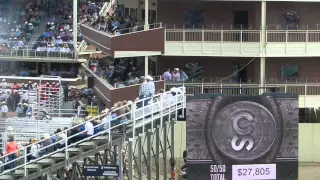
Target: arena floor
(309, 171)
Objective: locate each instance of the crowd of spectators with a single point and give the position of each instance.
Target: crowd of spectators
(113, 23)
(16, 31)
(123, 71)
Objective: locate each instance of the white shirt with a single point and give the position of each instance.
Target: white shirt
(3, 84)
(34, 150)
(62, 137)
(88, 127)
(4, 109)
(105, 121)
(25, 97)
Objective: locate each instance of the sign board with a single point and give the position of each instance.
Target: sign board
(101, 170)
(242, 137)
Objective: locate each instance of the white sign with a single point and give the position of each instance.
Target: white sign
(254, 172)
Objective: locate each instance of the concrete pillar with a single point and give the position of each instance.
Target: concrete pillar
(75, 27)
(263, 46)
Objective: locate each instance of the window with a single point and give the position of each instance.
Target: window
(133, 13)
(194, 19)
(126, 12)
(289, 71)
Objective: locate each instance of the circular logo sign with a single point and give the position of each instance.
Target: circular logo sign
(244, 130)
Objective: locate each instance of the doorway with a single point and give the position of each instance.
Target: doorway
(240, 73)
(241, 19)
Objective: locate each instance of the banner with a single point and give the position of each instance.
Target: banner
(242, 137)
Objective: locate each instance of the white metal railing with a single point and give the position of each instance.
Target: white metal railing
(103, 10)
(32, 94)
(82, 46)
(249, 89)
(289, 36)
(205, 35)
(32, 53)
(140, 113)
(181, 35)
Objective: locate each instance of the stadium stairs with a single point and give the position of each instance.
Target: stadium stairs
(143, 119)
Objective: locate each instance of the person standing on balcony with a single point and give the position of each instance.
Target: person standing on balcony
(146, 90)
(166, 75)
(175, 75)
(150, 81)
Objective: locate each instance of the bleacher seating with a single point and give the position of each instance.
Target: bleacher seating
(141, 118)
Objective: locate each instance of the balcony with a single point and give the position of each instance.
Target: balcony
(130, 43)
(292, 43)
(189, 42)
(241, 43)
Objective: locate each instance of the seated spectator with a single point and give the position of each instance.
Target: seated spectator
(61, 139)
(35, 148)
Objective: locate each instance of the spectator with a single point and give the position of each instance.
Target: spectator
(11, 152)
(4, 110)
(34, 151)
(3, 84)
(20, 110)
(167, 75)
(61, 139)
(46, 142)
(89, 130)
(175, 74)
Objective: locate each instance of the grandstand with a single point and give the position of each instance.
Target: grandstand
(257, 47)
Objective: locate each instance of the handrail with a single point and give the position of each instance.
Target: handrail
(155, 79)
(161, 106)
(130, 30)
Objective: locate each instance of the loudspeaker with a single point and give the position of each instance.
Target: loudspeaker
(90, 81)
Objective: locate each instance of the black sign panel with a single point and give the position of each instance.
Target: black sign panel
(242, 137)
(101, 170)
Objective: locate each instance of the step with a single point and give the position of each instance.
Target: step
(18, 172)
(101, 138)
(74, 150)
(86, 144)
(6, 177)
(32, 166)
(46, 161)
(58, 156)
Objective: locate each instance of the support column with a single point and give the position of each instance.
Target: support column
(158, 153)
(146, 27)
(75, 27)
(146, 66)
(130, 159)
(263, 46)
(120, 161)
(165, 148)
(149, 157)
(172, 159)
(139, 157)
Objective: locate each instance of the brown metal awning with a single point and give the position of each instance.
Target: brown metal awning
(141, 43)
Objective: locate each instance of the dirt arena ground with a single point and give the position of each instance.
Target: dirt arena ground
(309, 171)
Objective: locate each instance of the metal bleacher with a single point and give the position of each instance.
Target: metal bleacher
(141, 118)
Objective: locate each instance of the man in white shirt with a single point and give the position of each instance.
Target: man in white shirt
(89, 130)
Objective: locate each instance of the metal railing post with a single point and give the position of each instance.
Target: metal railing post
(25, 161)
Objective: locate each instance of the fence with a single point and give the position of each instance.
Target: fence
(242, 27)
(129, 83)
(247, 89)
(32, 53)
(198, 35)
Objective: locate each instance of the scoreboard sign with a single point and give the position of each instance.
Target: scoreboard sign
(101, 170)
(242, 137)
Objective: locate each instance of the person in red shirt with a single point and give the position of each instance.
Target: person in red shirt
(11, 152)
